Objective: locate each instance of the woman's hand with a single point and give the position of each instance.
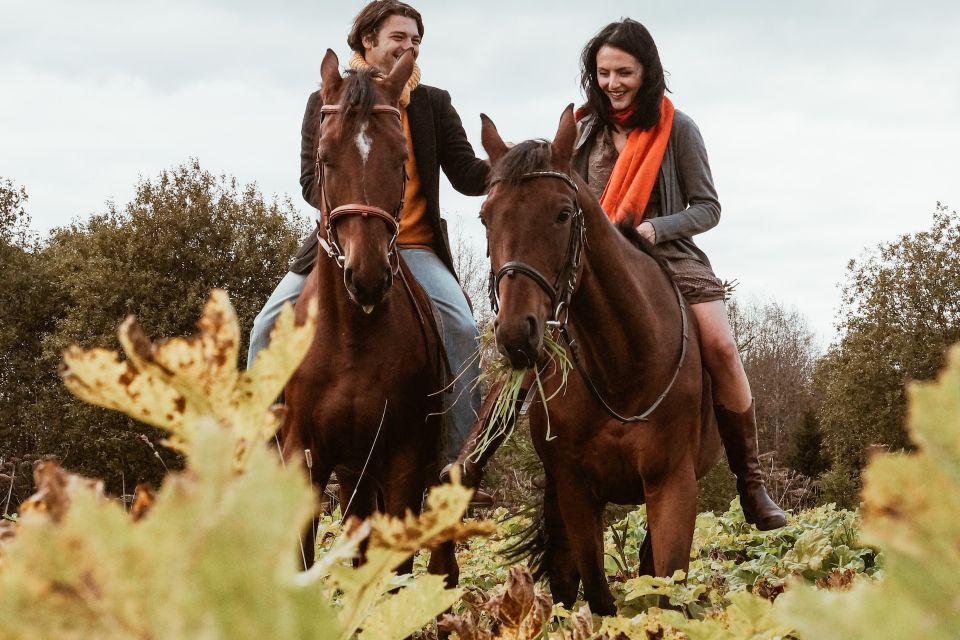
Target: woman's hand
(648, 233)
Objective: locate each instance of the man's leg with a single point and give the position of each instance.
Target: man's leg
(460, 340)
(287, 291)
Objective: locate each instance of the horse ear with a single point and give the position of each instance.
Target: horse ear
(566, 137)
(492, 143)
(330, 77)
(398, 77)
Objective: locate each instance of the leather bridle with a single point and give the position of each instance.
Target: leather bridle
(328, 217)
(562, 289)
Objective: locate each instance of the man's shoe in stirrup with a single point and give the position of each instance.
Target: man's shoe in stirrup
(739, 434)
(480, 497)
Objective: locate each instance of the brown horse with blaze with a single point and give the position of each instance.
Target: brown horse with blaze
(364, 402)
(559, 264)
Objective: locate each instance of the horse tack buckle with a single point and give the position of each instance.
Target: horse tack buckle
(331, 249)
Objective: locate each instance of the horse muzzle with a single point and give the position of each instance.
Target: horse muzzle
(520, 340)
(367, 289)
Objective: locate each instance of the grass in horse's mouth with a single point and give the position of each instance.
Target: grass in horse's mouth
(503, 415)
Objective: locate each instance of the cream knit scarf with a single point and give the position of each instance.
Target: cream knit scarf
(357, 63)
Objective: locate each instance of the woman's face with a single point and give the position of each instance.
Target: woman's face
(619, 75)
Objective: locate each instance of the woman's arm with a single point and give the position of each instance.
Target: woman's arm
(696, 183)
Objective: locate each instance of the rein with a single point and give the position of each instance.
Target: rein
(560, 299)
(330, 243)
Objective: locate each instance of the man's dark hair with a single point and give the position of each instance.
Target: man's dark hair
(372, 17)
(632, 37)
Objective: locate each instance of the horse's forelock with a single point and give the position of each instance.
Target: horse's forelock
(523, 158)
(357, 98)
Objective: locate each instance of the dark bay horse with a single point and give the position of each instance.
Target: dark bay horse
(364, 401)
(559, 264)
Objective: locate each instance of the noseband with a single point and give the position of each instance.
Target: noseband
(560, 298)
(328, 217)
(565, 284)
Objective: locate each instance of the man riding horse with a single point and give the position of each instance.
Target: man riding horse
(381, 33)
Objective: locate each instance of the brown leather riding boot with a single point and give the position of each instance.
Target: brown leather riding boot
(739, 434)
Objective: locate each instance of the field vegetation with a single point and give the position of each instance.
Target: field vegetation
(866, 459)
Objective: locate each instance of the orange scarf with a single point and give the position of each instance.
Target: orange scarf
(628, 190)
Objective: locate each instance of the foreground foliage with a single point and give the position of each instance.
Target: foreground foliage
(212, 555)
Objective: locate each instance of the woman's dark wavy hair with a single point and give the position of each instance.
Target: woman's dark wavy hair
(632, 37)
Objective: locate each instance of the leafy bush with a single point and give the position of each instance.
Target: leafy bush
(900, 313)
(184, 232)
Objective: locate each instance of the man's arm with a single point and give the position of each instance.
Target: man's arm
(308, 151)
(466, 172)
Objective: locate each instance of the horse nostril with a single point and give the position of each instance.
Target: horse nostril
(533, 327)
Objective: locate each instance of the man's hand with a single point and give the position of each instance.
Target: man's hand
(648, 233)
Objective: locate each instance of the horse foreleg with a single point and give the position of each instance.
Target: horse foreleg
(404, 491)
(671, 517)
(293, 451)
(583, 519)
(319, 476)
(443, 562)
(645, 556)
(358, 499)
(557, 559)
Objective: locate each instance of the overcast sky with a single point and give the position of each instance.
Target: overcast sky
(831, 126)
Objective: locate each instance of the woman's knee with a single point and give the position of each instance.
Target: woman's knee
(718, 346)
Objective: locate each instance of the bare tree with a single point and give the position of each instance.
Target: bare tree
(473, 269)
(779, 353)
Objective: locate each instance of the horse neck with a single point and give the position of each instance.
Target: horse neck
(625, 304)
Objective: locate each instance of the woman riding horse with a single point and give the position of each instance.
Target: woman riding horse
(647, 163)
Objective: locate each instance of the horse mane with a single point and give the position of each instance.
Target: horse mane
(523, 158)
(633, 236)
(535, 155)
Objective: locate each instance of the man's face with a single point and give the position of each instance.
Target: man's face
(396, 35)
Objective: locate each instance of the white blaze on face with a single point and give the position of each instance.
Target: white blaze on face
(363, 143)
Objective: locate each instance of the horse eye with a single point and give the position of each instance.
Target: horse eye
(564, 216)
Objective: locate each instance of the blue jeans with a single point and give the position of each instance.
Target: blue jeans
(457, 326)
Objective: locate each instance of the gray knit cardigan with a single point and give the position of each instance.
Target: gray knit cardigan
(688, 199)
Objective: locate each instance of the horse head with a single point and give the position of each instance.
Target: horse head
(534, 228)
(361, 156)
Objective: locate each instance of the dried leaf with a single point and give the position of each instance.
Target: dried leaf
(466, 626)
(56, 489)
(512, 606)
(580, 625)
(143, 500)
(185, 385)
